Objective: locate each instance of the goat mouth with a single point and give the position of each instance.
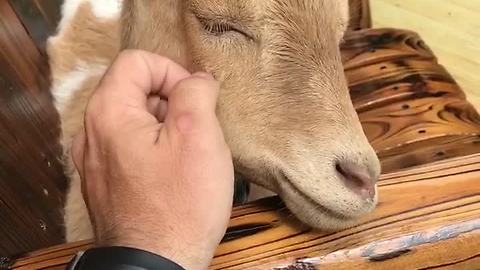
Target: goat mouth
(321, 216)
(316, 205)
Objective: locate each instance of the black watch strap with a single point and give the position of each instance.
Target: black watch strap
(120, 258)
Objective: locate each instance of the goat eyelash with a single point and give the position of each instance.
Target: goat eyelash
(220, 28)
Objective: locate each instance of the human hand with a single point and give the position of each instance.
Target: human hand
(156, 174)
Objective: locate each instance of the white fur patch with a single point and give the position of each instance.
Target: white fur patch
(103, 9)
(64, 89)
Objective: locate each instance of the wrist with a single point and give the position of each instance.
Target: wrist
(113, 258)
(185, 254)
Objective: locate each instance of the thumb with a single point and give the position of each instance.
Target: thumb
(192, 103)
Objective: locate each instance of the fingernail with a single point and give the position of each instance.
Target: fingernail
(204, 75)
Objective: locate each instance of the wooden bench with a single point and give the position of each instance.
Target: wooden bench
(425, 132)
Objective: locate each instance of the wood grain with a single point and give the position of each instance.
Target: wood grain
(426, 219)
(39, 17)
(31, 180)
(412, 110)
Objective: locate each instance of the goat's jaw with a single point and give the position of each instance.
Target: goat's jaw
(312, 211)
(316, 214)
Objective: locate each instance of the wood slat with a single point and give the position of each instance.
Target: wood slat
(31, 179)
(427, 219)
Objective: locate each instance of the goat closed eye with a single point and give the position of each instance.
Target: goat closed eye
(220, 28)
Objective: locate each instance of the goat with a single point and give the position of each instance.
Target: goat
(284, 104)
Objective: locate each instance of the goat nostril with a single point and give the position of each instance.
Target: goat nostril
(357, 179)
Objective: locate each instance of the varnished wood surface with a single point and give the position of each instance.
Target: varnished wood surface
(40, 18)
(450, 27)
(31, 180)
(411, 109)
(428, 218)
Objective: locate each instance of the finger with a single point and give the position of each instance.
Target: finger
(153, 102)
(135, 75)
(78, 154)
(161, 113)
(192, 103)
(157, 107)
(78, 151)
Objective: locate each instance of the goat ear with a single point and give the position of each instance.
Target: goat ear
(345, 13)
(155, 26)
(127, 24)
(135, 22)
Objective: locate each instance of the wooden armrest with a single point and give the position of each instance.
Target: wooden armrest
(426, 218)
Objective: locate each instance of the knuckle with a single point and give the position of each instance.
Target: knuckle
(129, 54)
(135, 56)
(197, 83)
(91, 110)
(97, 116)
(127, 59)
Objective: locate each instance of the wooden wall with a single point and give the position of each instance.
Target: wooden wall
(451, 29)
(31, 180)
(39, 18)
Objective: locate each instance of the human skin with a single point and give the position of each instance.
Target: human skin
(156, 171)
